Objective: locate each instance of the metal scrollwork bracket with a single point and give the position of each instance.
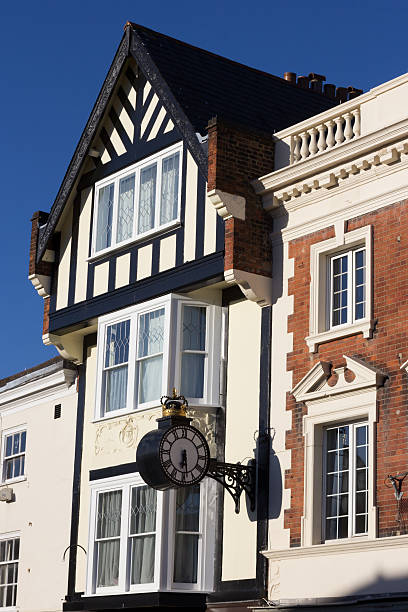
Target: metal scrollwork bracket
(235, 478)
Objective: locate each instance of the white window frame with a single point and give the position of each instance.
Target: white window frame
(324, 412)
(115, 179)
(321, 255)
(12, 536)
(6, 433)
(351, 476)
(351, 286)
(171, 375)
(164, 545)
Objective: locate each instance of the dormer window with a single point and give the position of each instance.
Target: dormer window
(138, 201)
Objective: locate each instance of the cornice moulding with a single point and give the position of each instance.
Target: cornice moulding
(37, 390)
(227, 205)
(341, 154)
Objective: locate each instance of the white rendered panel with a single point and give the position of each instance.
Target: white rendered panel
(83, 245)
(191, 209)
(210, 231)
(169, 126)
(101, 278)
(114, 137)
(144, 262)
(167, 253)
(124, 119)
(148, 114)
(65, 262)
(122, 270)
(244, 334)
(157, 124)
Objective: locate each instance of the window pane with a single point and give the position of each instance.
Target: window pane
(169, 188)
(361, 456)
(16, 444)
(186, 558)
(331, 484)
(147, 198)
(361, 435)
(109, 514)
(361, 484)
(192, 375)
(332, 439)
(117, 343)
(332, 506)
(108, 563)
(343, 527)
(343, 459)
(9, 468)
(331, 529)
(142, 559)
(125, 208)
(361, 523)
(105, 215)
(116, 388)
(343, 482)
(188, 509)
(17, 467)
(194, 324)
(150, 379)
(361, 503)
(151, 333)
(143, 510)
(9, 445)
(23, 441)
(343, 504)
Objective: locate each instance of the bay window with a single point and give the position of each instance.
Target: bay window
(146, 350)
(145, 540)
(138, 200)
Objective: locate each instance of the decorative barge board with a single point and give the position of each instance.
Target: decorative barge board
(154, 263)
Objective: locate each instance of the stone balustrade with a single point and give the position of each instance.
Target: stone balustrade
(324, 136)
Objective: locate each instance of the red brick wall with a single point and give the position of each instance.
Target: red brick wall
(235, 157)
(386, 351)
(34, 267)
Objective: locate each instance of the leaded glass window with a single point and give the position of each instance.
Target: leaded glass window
(105, 217)
(9, 557)
(137, 200)
(116, 365)
(142, 534)
(150, 355)
(108, 523)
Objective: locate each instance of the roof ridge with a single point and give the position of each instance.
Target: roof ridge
(226, 59)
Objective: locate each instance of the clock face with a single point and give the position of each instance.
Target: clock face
(184, 455)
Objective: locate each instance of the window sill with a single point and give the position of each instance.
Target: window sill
(163, 229)
(13, 481)
(122, 413)
(365, 327)
(346, 546)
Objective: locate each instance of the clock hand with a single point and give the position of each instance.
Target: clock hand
(184, 458)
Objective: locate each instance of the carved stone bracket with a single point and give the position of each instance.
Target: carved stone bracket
(235, 478)
(255, 287)
(227, 205)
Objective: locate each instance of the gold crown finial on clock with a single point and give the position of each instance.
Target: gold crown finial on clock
(175, 405)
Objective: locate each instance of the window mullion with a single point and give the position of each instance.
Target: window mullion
(331, 300)
(158, 192)
(132, 363)
(123, 552)
(115, 211)
(352, 476)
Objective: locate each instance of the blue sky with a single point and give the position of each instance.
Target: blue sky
(54, 57)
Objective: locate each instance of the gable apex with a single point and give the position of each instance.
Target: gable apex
(323, 381)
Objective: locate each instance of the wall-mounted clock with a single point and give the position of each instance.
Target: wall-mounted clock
(184, 455)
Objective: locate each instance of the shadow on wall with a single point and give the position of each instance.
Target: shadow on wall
(279, 224)
(269, 500)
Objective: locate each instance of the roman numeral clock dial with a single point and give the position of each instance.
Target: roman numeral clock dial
(184, 455)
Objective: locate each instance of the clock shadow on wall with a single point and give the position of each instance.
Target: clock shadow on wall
(176, 454)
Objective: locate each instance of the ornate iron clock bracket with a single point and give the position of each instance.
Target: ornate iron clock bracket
(235, 478)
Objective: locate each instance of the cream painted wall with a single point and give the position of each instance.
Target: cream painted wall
(84, 228)
(41, 511)
(144, 262)
(338, 571)
(210, 225)
(65, 260)
(239, 537)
